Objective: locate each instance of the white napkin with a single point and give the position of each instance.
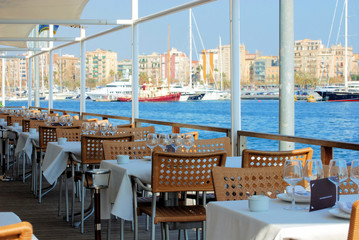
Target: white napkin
(299, 193)
(345, 206)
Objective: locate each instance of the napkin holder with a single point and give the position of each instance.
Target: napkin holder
(258, 203)
(97, 178)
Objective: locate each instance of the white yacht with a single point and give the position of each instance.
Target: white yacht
(112, 91)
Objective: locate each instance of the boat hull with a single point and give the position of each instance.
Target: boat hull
(175, 97)
(339, 96)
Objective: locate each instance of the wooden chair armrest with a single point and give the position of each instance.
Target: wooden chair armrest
(140, 184)
(21, 231)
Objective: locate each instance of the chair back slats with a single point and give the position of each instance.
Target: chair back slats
(92, 148)
(139, 133)
(240, 183)
(12, 119)
(27, 124)
(72, 135)
(210, 145)
(257, 158)
(135, 150)
(175, 172)
(353, 233)
(48, 134)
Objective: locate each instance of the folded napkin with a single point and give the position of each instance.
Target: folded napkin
(299, 193)
(345, 206)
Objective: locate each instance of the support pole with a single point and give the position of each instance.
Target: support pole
(83, 74)
(235, 73)
(135, 85)
(286, 72)
(29, 85)
(3, 81)
(36, 73)
(190, 48)
(51, 70)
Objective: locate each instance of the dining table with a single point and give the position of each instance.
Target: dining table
(56, 158)
(117, 199)
(233, 220)
(24, 143)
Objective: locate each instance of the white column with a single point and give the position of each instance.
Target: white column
(36, 73)
(190, 48)
(3, 81)
(135, 85)
(29, 85)
(83, 73)
(286, 72)
(51, 69)
(235, 73)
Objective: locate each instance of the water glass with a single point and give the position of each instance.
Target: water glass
(95, 128)
(188, 141)
(338, 174)
(313, 170)
(103, 129)
(176, 141)
(151, 141)
(354, 173)
(293, 174)
(112, 128)
(163, 141)
(85, 127)
(62, 120)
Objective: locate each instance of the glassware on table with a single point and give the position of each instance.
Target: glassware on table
(163, 141)
(103, 129)
(112, 128)
(313, 170)
(188, 141)
(69, 120)
(151, 141)
(54, 119)
(354, 173)
(293, 174)
(176, 141)
(338, 173)
(85, 127)
(95, 128)
(62, 120)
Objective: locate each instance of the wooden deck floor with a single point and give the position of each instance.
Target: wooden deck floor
(16, 197)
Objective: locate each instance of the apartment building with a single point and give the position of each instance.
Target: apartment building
(151, 66)
(101, 65)
(176, 67)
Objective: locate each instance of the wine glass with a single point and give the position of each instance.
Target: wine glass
(176, 141)
(94, 128)
(338, 173)
(112, 128)
(188, 141)
(69, 120)
(85, 127)
(62, 120)
(163, 141)
(103, 129)
(354, 172)
(293, 174)
(151, 141)
(313, 170)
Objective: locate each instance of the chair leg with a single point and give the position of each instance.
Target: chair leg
(153, 229)
(109, 229)
(40, 177)
(135, 217)
(83, 203)
(167, 231)
(23, 167)
(204, 230)
(122, 233)
(60, 196)
(185, 234)
(73, 195)
(67, 198)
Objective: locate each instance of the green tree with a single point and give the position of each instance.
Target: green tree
(143, 78)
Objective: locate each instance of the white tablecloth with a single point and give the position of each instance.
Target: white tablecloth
(232, 220)
(3, 124)
(56, 157)
(7, 218)
(24, 143)
(15, 129)
(119, 191)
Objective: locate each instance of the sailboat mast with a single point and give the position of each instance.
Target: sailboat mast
(346, 47)
(190, 48)
(220, 59)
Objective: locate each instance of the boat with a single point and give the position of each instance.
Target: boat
(171, 97)
(112, 91)
(311, 98)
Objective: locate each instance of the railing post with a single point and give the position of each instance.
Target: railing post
(326, 154)
(242, 144)
(176, 129)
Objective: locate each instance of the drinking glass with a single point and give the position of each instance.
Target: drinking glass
(94, 128)
(85, 127)
(163, 141)
(103, 129)
(313, 170)
(176, 141)
(338, 173)
(188, 141)
(151, 141)
(354, 172)
(293, 174)
(62, 120)
(112, 128)
(69, 120)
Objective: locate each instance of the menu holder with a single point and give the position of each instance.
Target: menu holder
(322, 194)
(170, 148)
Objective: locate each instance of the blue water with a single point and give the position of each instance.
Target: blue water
(337, 121)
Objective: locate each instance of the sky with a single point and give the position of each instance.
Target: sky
(259, 30)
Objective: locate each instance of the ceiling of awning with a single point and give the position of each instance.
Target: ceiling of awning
(35, 9)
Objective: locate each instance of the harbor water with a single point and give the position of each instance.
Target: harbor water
(337, 121)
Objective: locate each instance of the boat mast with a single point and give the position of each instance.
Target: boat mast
(346, 47)
(190, 48)
(220, 59)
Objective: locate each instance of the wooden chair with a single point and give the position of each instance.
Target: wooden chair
(27, 124)
(17, 231)
(241, 183)
(210, 145)
(135, 150)
(12, 119)
(183, 172)
(353, 233)
(195, 135)
(71, 134)
(257, 158)
(139, 133)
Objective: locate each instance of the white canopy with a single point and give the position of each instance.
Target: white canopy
(35, 9)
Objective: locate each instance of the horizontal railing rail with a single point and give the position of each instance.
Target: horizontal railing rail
(326, 145)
